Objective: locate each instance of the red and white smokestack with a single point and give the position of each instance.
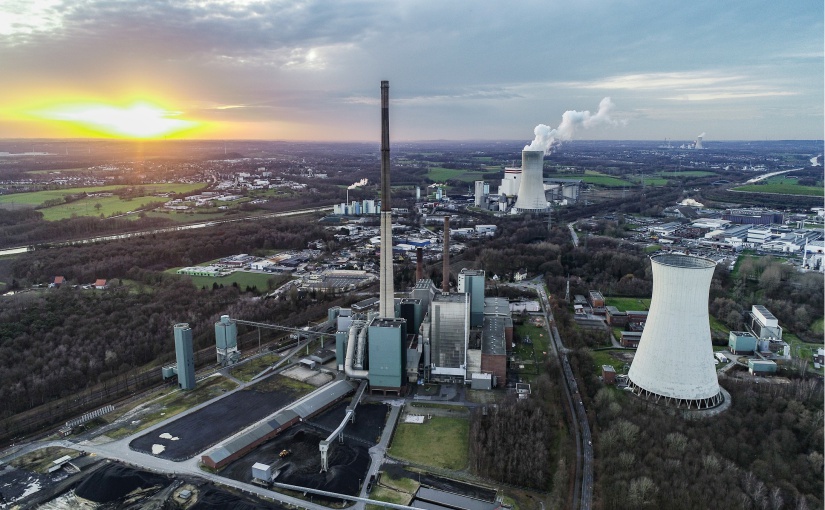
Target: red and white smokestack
(386, 303)
(419, 264)
(445, 282)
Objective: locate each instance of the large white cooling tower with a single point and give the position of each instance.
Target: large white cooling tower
(531, 189)
(674, 362)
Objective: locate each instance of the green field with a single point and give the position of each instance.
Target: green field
(441, 174)
(36, 198)
(109, 206)
(687, 173)
(606, 358)
(817, 326)
(246, 371)
(648, 180)
(593, 177)
(86, 206)
(628, 303)
(784, 186)
(439, 442)
(241, 278)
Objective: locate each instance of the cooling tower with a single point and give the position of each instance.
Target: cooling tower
(531, 189)
(698, 142)
(674, 362)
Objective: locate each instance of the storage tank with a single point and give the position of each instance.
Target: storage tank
(531, 190)
(674, 362)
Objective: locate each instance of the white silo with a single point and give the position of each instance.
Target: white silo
(531, 190)
(674, 362)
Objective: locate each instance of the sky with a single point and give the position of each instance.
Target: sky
(458, 70)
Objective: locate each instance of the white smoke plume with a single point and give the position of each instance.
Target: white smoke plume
(701, 136)
(571, 121)
(362, 182)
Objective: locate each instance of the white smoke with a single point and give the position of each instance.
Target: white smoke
(362, 182)
(571, 121)
(701, 136)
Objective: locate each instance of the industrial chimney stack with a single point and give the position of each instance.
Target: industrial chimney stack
(386, 305)
(445, 282)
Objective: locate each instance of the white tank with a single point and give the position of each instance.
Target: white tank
(531, 188)
(674, 362)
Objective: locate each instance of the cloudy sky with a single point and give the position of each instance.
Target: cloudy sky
(458, 70)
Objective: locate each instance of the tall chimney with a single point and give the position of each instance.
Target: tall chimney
(445, 282)
(386, 305)
(419, 263)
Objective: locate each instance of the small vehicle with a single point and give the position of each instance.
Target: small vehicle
(284, 453)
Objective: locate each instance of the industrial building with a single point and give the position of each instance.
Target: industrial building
(531, 188)
(185, 356)
(674, 361)
(426, 334)
(741, 342)
(226, 341)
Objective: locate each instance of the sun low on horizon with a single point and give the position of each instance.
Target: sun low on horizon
(137, 119)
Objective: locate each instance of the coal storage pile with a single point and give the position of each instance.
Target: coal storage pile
(216, 499)
(113, 482)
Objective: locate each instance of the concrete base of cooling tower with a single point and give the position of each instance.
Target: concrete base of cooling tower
(694, 404)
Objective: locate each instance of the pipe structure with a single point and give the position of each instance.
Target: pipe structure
(419, 264)
(360, 348)
(354, 328)
(386, 304)
(445, 282)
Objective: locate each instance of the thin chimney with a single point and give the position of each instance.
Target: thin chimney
(419, 263)
(386, 305)
(445, 282)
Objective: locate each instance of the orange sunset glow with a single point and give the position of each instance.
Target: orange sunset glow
(138, 119)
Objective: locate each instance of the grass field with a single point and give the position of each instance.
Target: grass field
(687, 173)
(441, 174)
(593, 177)
(86, 206)
(440, 442)
(36, 198)
(109, 206)
(817, 326)
(648, 180)
(628, 303)
(606, 358)
(246, 371)
(784, 186)
(242, 278)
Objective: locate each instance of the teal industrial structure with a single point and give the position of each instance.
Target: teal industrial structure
(185, 356)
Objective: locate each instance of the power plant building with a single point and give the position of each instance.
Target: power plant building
(185, 356)
(387, 354)
(674, 361)
(471, 281)
(450, 329)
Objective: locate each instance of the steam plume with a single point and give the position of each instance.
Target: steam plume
(571, 121)
(362, 182)
(702, 135)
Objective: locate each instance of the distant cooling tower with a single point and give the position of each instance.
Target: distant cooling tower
(531, 189)
(698, 143)
(674, 362)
